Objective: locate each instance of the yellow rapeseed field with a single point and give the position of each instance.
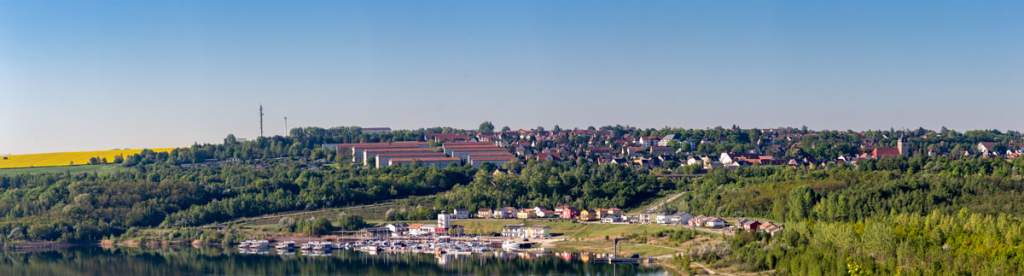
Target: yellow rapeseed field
(65, 158)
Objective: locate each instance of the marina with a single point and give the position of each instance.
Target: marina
(442, 248)
(322, 247)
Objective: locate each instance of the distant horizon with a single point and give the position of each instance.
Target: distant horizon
(218, 140)
(115, 74)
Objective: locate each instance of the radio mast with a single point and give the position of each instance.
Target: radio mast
(261, 120)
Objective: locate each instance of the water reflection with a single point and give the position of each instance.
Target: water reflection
(216, 261)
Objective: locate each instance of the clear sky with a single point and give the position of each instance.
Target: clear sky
(83, 75)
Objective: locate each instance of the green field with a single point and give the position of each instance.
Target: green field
(62, 169)
(592, 237)
(606, 246)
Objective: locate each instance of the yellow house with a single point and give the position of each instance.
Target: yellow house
(586, 215)
(526, 214)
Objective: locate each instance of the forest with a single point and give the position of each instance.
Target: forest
(896, 216)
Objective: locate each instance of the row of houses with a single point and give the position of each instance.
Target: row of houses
(634, 147)
(609, 215)
(444, 226)
(521, 231)
(477, 154)
(560, 212)
(755, 226)
(382, 155)
(397, 230)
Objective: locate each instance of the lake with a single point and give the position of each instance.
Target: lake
(216, 261)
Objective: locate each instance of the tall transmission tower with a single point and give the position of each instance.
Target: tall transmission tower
(261, 120)
(285, 126)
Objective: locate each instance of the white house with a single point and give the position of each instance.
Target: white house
(398, 229)
(505, 213)
(679, 218)
(715, 223)
(664, 142)
(986, 148)
(694, 161)
(460, 213)
(613, 219)
(726, 160)
(421, 229)
(662, 219)
(520, 231)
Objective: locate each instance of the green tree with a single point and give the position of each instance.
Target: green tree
(486, 127)
(352, 223)
(801, 200)
(314, 226)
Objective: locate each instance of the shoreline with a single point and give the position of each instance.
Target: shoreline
(39, 246)
(44, 246)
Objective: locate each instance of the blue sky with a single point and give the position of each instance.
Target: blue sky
(80, 75)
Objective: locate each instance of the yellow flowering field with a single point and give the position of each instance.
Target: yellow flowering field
(65, 158)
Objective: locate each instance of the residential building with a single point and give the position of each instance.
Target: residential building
(543, 213)
(587, 215)
(715, 223)
(520, 231)
(667, 140)
(986, 148)
(770, 228)
(438, 162)
(460, 213)
(567, 212)
(749, 225)
(484, 213)
(380, 160)
(678, 218)
(505, 213)
(398, 229)
(613, 219)
(526, 214)
(444, 220)
(416, 229)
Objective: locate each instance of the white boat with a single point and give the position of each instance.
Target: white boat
(261, 244)
(286, 245)
(323, 246)
(511, 245)
(254, 244)
(369, 248)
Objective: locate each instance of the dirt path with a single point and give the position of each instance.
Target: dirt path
(663, 202)
(706, 269)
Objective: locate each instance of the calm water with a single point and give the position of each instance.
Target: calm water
(188, 261)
